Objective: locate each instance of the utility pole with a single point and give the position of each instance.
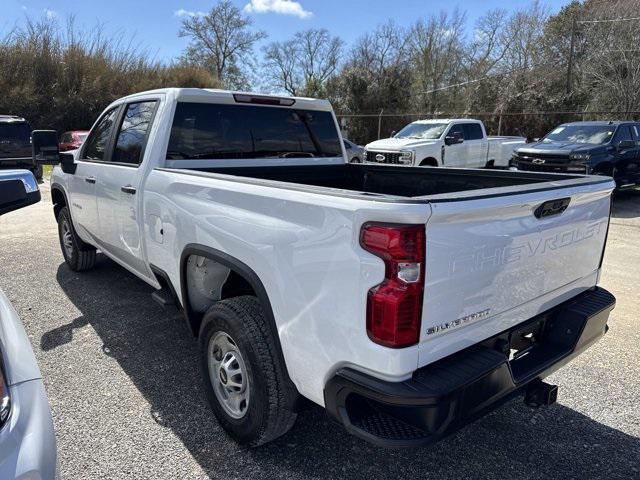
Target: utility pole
(380, 122)
(571, 50)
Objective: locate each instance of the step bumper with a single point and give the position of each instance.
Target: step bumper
(446, 395)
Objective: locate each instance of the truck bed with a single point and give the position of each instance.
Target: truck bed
(406, 182)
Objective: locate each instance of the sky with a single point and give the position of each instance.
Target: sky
(153, 24)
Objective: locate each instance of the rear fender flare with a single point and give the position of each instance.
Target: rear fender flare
(194, 319)
(56, 188)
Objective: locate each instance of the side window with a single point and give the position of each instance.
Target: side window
(133, 132)
(623, 133)
(96, 144)
(472, 131)
(459, 128)
(66, 138)
(636, 134)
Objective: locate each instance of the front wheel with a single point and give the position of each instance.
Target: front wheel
(78, 255)
(244, 379)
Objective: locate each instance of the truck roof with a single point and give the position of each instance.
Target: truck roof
(11, 119)
(447, 120)
(214, 95)
(600, 123)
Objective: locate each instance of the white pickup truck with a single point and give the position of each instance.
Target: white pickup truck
(406, 301)
(459, 143)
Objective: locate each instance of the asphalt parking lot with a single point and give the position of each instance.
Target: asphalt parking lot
(125, 390)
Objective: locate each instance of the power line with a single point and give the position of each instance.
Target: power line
(482, 79)
(609, 20)
(485, 114)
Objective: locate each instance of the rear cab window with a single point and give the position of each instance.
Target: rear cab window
(472, 131)
(222, 131)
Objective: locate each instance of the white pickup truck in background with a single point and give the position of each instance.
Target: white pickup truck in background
(406, 301)
(459, 143)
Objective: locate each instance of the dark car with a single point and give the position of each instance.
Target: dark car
(15, 145)
(72, 140)
(599, 148)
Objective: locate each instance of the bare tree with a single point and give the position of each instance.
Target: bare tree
(376, 76)
(281, 67)
(380, 51)
(611, 65)
(437, 46)
(221, 40)
(302, 65)
(490, 43)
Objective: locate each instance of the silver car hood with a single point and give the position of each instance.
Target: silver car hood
(19, 361)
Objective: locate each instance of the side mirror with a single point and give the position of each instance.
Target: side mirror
(45, 147)
(625, 144)
(67, 163)
(393, 134)
(18, 189)
(453, 138)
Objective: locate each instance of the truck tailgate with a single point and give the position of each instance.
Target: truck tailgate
(492, 263)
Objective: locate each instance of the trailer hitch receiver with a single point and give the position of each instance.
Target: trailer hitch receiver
(540, 393)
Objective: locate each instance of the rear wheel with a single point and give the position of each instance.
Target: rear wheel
(78, 255)
(244, 380)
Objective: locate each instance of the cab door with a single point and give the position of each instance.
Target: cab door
(477, 145)
(635, 167)
(626, 156)
(82, 184)
(118, 198)
(456, 155)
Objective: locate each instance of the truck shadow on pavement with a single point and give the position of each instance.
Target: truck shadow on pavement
(626, 204)
(154, 348)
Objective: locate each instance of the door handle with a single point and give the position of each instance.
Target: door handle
(90, 179)
(128, 189)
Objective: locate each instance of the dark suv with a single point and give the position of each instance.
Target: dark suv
(600, 148)
(15, 145)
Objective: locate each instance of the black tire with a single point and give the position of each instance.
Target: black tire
(267, 415)
(609, 171)
(78, 255)
(38, 172)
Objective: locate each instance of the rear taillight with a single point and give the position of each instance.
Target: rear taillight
(394, 307)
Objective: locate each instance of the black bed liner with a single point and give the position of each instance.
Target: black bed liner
(385, 183)
(400, 181)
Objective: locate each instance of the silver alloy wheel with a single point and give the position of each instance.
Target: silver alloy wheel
(67, 238)
(228, 375)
